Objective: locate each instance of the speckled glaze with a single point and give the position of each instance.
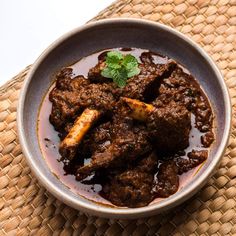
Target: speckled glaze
(109, 34)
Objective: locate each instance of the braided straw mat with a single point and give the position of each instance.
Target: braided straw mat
(26, 208)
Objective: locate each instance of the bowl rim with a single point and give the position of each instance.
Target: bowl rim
(101, 210)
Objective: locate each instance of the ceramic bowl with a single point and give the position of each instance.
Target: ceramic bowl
(114, 33)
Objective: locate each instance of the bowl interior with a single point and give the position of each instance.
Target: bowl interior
(110, 34)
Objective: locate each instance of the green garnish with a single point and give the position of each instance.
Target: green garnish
(120, 67)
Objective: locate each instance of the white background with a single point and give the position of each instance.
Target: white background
(27, 27)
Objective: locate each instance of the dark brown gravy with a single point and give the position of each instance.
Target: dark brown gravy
(49, 140)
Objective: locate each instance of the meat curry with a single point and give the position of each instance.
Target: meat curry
(132, 143)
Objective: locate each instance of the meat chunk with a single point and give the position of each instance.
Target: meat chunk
(170, 127)
(183, 89)
(154, 58)
(167, 180)
(198, 154)
(96, 140)
(100, 138)
(63, 78)
(71, 95)
(207, 139)
(94, 74)
(178, 87)
(132, 187)
(138, 87)
(64, 98)
(128, 143)
(66, 81)
(146, 58)
(120, 150)
(64, 107)
(98, 96)
(195, 158)
(141, 86)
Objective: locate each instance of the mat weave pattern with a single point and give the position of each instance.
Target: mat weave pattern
(26, 208)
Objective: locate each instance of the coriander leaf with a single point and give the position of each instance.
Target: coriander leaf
(130, 62)
(119, 77)
(113, 62)
(120, 83)
(106, 72)
(133, 72)
(115, 54)
(119, 73)
(119, 68)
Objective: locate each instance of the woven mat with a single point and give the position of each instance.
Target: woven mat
(27, 208)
